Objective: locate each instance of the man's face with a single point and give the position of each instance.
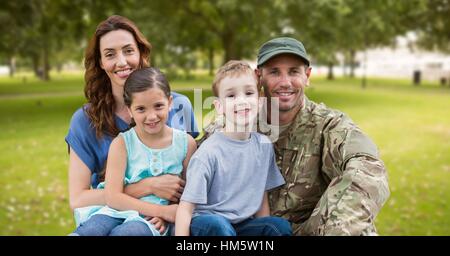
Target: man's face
(285, 77)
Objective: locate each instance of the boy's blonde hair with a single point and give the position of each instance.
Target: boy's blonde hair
(231, 68)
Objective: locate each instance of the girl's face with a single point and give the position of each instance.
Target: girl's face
(150, 110)
(119, 55)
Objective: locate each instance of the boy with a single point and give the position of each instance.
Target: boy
(229, 175)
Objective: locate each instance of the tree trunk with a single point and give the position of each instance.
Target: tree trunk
(211, 61)
(36, 69)
(352, 63)
(330, 75)
(46, 71)
(12, 66)
(230, 47)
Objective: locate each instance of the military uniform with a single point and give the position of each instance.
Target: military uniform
(335, 182)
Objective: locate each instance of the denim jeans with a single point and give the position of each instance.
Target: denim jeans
(103, 225)
(215, 225)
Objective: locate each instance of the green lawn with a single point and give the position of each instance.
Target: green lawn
(410, 125)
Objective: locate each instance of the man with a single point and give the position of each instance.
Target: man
(335, 182)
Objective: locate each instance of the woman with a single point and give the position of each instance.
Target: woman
(115, 51)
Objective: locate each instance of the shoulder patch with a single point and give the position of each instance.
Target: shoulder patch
(358, 144)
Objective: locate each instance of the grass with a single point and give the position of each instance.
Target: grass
(410, 125)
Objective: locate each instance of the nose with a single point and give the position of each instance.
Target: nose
(151, 116)
(241, 101)
(121, 60)
(285, 80)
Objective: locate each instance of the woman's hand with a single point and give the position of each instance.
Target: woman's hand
(167, 186)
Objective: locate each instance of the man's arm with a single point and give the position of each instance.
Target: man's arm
(358, 185)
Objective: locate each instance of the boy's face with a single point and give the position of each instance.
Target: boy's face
(238, 101)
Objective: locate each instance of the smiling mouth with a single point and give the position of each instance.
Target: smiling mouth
(284, 94)
(152, 125)
(242, 111)
(124, 73)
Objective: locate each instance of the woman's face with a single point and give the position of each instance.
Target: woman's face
(119, 55)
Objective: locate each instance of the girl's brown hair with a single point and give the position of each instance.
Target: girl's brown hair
(98, 89)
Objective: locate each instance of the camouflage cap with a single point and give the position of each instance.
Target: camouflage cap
(279, 46)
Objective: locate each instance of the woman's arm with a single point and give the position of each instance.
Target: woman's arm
(80, 192)
(264, 210)
(183, 219)
(114, 189)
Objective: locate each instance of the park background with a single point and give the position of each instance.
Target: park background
(41, 62)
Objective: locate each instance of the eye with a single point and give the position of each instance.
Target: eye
(273, 72)
(230, 96)
(109, 55)
(140, 109)
(249, 93)
(295, 72)
(129, 50)
(159, 106)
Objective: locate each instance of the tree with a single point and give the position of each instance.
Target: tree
(433, 25)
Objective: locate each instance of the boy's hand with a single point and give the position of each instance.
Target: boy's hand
(159, 223)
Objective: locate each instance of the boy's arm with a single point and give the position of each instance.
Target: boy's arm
(264, 210)
(114, 189)
(183, 219)
(192, 146)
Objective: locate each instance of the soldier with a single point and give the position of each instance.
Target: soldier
(335, 181)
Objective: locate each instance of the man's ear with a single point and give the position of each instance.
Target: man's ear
(258, 73)
(308, 74)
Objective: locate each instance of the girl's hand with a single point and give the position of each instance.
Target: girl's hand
(159, 223)
(169, 213)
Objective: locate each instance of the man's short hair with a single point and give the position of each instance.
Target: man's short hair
(232, 68)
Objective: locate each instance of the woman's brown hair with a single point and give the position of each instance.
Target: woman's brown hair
(98, 89)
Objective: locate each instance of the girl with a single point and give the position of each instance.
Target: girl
(116, 49)
(149, 149)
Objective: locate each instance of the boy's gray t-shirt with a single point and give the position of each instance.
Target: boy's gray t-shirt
(229, 177)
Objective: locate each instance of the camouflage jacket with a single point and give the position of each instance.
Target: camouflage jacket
(335, 182)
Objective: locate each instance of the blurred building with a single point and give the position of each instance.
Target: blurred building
(399, 61)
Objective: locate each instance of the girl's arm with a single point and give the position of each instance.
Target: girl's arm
(264, 210)
(164, 186)
(80, 192)
(114, 189)
(183, 219)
